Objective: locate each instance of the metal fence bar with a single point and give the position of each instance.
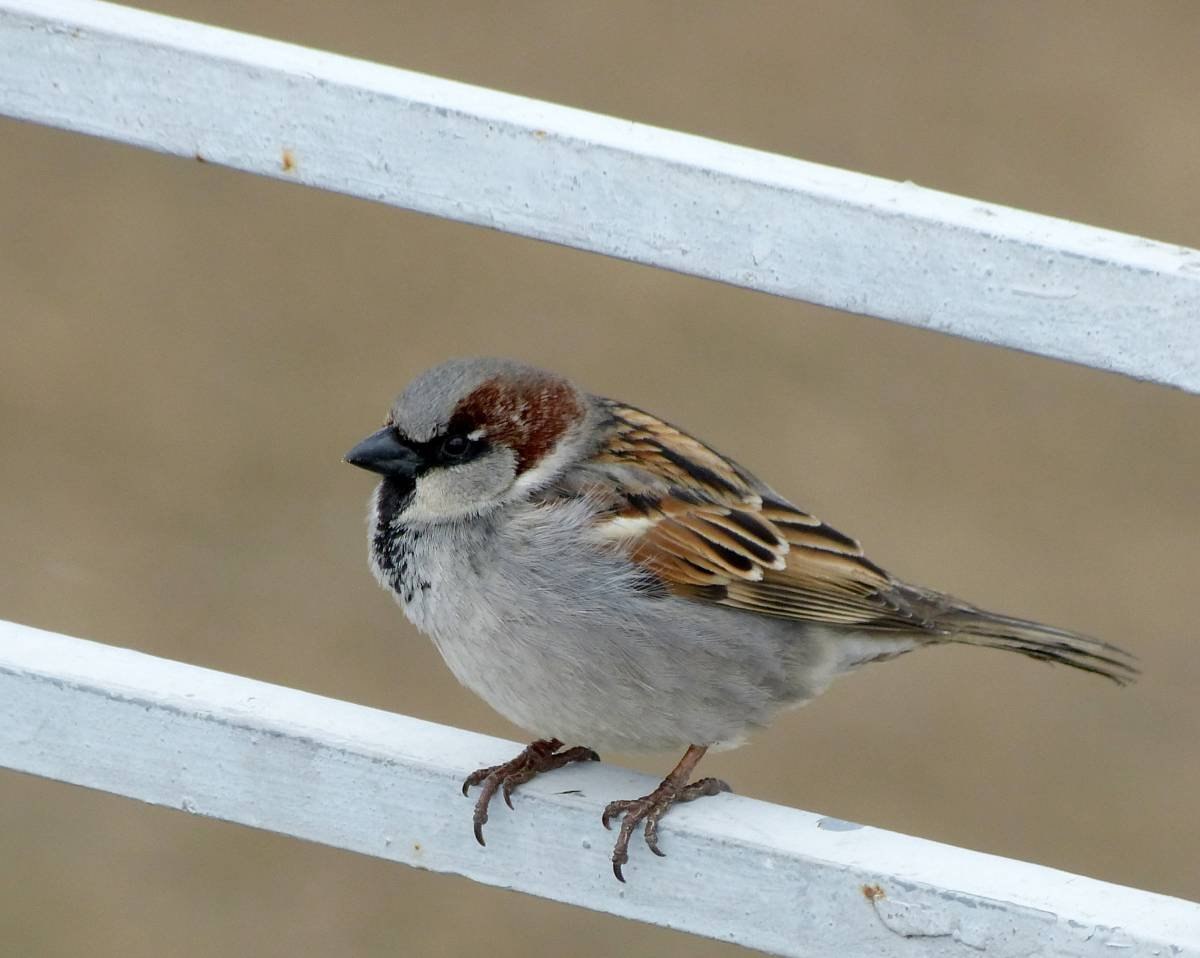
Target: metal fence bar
(772, 878)
(754, 219)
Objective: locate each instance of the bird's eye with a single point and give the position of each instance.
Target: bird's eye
(455, 447)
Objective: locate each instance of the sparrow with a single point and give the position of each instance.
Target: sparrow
(601, 577)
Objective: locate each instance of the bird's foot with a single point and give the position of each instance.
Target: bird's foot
(541, 756)
(650, 808)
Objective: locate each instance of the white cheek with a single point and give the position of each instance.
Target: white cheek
(435, 498)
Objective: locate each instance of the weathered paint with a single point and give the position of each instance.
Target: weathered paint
(685, 203)
(761, 875)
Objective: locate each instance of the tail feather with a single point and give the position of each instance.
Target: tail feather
(976, 627)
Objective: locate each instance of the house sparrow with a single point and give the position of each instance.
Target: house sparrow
(599, 576)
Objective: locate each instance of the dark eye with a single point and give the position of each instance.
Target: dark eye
(455, 447)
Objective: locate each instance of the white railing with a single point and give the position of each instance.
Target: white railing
(387, 785)
(858, 243)
(383, 784)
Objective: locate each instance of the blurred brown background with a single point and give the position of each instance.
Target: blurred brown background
(187, 351)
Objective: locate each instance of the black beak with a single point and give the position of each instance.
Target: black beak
(384, 453)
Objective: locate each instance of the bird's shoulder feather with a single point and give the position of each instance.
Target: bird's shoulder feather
(706, 529)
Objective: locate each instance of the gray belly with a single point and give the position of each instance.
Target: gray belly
(640, 672)
(573, 649)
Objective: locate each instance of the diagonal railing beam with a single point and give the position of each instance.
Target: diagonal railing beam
(772, 878)
(753, 219)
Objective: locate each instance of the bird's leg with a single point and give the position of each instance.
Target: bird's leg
(540, 756)
(650, 808)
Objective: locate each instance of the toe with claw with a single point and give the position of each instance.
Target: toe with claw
(651, 808)
(541, 756)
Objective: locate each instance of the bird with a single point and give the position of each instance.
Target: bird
(601, 577)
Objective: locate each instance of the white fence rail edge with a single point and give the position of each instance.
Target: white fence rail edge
(772, 878)
(227, 747)
(754, 219)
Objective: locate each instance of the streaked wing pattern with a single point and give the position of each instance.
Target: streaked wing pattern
(709, 530)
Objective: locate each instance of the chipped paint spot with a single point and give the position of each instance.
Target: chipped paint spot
(837, 825)
(873, 893)
(288, 160)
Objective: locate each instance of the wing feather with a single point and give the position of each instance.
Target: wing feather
(703, 527)
(707, 529)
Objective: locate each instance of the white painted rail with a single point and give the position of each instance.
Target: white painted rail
(772, 878)
(754, 219)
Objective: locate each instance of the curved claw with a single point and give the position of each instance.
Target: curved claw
(476, 777)
(652, 843)
(540, 756)
(614, 810)
(481, 807)
(650, 809)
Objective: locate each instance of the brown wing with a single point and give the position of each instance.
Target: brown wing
(709, 530)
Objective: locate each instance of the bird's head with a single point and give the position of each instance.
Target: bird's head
(470, 435)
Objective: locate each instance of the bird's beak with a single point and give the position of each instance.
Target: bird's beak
(384, 453)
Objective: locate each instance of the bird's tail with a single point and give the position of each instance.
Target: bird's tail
(952, 620)
(972, 626)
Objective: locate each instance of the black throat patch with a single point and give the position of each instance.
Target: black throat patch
(389, 542)
(392, 542)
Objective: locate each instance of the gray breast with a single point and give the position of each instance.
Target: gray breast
(561, 636)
